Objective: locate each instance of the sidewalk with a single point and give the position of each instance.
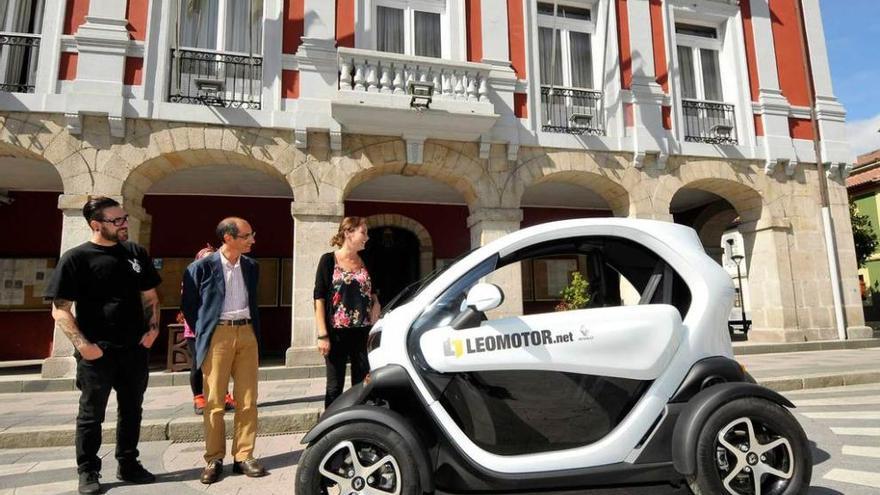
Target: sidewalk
(44, 419)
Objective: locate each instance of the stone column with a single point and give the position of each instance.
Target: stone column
(313, 226)
(773, 308)
(486, 225)
(75, 231)
(846, 255)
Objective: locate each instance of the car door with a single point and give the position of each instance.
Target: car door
(554, 380)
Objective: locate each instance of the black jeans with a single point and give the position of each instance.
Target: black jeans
(126, 371)
(195, 374)
(346, 344)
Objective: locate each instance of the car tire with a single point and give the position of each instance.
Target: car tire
(752, 438)
(385, 462)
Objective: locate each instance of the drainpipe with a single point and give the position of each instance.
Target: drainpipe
(827, 221)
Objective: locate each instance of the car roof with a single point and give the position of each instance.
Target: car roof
(677, 237)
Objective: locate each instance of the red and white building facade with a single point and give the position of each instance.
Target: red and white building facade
(294, 113)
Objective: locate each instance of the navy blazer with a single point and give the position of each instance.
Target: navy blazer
(204, 290)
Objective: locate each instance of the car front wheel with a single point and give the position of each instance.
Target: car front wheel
(359, 457)
(752, 446)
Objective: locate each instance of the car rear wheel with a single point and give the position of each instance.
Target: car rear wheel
(361, 457)
(752, 446)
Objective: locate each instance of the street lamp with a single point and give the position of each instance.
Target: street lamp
(737, 258)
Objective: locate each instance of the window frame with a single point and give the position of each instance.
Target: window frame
(222, 39)
(696, 44)
(565, 28)
(410, 7)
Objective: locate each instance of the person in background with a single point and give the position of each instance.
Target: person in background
(346, 306)
(195, 374)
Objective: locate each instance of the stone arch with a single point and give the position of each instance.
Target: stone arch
(454, 164)
(426, 245)
(139, 180)
(45, 138)
(603, 173)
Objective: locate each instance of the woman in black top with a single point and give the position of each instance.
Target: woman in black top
(345, 306)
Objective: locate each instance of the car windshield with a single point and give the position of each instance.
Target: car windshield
(411, 290)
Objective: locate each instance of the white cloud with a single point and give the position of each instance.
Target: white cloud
(863, 135)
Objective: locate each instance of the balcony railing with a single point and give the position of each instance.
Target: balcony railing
(572, 111)
(213, 78)
(709, 122)
(390, 73)
(19, 54)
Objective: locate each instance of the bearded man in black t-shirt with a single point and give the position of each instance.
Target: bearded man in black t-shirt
(112, 284)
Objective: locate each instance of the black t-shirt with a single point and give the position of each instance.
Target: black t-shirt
(106, 284)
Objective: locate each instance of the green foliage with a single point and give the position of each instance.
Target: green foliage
(576, 295)
(863, 234)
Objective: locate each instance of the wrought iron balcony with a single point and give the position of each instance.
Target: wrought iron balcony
(221, 79)
(572, 111)
(709, 122)
(19, 54)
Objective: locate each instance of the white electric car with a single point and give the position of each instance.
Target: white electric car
(470, 393)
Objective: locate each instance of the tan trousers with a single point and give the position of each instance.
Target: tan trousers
(233, 352)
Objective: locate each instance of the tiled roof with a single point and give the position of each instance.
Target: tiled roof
(867, 170)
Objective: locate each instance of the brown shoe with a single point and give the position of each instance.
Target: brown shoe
(249, 467)
(212, 471)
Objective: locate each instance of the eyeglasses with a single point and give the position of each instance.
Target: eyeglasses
(117, 222)
(252, 235)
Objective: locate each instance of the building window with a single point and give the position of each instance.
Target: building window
(217, 60)
(568, 60)
(21, 22)
(707, 118)
(565, 56)
(412, 28)
(222, 25)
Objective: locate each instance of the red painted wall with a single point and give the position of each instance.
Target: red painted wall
(345, 23)
(789, 51)
(751, 51)
(623, 44)
(28, 334)
(134, 71)
(474, 30)
(67, 66)
(136, 13)
(447, 224)
(516, 35)
(661, 69)
(290, 84)
(294, 13)
(520, 105)
(75, 15)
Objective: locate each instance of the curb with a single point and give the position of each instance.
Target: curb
(744, 349)
(183, 429)
(159, 379)
(191, 428)
(820, 380)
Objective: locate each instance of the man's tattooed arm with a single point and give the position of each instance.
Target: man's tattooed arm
(150, 300)
(61, 312)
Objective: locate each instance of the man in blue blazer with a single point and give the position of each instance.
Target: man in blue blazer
(220, 302)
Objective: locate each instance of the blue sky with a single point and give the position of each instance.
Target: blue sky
(852, 34)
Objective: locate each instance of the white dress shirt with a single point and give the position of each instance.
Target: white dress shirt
(235, 305)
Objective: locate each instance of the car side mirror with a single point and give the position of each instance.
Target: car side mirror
(484, 297)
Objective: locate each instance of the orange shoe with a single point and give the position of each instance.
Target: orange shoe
(229, 402)
(199, 404)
